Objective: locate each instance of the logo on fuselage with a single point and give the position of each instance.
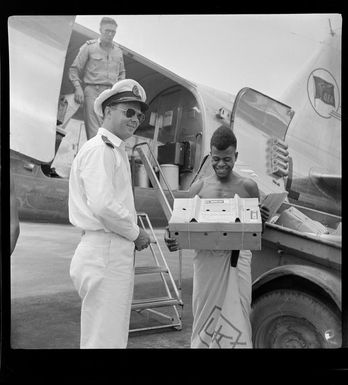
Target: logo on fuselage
(323, 93)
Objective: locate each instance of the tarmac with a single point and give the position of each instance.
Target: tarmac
(45, 320)
(45, 307)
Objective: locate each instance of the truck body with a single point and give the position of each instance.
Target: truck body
(296, 292)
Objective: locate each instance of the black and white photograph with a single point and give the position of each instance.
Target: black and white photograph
(175, 181)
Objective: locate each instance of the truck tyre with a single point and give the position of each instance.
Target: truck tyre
(286, 318)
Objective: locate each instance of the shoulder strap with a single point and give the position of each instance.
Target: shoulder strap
(107, 141)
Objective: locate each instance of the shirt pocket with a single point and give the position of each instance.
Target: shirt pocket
(96, 61)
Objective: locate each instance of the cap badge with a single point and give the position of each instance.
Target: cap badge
(135, 91)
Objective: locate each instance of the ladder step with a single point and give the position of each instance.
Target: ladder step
(141, 214)
(154, 302)
(150, 269)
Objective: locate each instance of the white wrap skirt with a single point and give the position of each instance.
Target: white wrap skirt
(221, 300)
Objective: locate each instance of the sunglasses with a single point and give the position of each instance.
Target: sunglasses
(130, 112)
(110, 31)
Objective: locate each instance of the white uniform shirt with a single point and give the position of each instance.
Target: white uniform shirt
(100, 188)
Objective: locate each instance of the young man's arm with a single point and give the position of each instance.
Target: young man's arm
(194, 189)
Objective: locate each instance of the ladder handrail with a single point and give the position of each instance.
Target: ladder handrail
(163, 199)
(157, 165)
(154, 254)
(167, 208)
(162, 257)
(174, 301)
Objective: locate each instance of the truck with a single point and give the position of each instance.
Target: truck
(296, 291)
(296, 276)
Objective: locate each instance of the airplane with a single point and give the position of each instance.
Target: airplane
(292, 144)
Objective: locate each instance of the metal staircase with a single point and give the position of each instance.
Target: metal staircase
(173, 299)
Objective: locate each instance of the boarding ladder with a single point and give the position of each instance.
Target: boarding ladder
(173, 298)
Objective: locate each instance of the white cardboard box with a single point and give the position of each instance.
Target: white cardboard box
(216, 224)
(293, 218)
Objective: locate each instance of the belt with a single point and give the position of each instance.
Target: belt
(234, 257)
(97, 234)
(97, 86)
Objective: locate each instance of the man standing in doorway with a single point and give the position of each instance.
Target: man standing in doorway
(101, 203)
(97, 67)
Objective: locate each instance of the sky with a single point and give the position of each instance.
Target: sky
(227, 52)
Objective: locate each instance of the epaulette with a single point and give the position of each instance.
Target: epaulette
(91, 41)
(107, 141)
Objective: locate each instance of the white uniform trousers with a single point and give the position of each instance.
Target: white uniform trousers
(102, 270)
(221, 300)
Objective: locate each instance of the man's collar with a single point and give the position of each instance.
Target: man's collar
(116, 141)
(112, 43)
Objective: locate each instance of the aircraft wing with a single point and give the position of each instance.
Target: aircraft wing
(37, 49)
(327, 183)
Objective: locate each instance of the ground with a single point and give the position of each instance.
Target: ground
(45, 307)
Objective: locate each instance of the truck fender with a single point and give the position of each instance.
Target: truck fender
(326, 280)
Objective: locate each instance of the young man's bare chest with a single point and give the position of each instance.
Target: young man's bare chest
(216, 189)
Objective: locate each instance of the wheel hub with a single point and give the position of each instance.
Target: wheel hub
(293, 333)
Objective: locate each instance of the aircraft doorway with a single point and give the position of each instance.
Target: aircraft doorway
(173, 127)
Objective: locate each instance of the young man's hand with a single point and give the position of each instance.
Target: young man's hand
(171, 243)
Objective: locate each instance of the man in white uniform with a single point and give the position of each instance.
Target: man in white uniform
(101, 203)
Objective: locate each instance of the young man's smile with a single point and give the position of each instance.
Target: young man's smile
(223, 161)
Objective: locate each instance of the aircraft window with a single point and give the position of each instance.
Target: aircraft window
(268, 115)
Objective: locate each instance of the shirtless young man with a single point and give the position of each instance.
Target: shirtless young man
(211, 268)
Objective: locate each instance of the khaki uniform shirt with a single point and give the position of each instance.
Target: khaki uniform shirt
(94, 65)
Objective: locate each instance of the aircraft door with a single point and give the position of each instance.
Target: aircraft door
(260, 124)
(37, 49)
